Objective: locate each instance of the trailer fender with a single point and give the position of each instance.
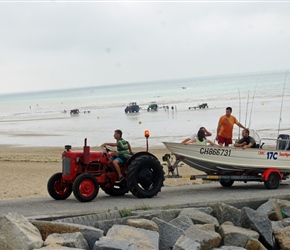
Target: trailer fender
(267, 172)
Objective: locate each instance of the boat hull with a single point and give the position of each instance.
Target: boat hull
(220, 160)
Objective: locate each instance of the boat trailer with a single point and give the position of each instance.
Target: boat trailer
(271, 177)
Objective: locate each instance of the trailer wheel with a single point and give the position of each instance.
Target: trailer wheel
(57, 188)
(145, 176)
(227, 183)
(85, 187)
(273, 181)
(116, 190)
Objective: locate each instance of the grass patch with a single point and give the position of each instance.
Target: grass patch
(144, 207)
(167, 207)
(125, 212)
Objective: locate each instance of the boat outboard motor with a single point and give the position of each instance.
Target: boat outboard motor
(283, 142)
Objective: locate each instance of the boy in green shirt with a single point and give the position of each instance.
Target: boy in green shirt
(123, 152)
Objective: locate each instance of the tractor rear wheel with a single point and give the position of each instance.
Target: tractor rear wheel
(85, 187)
(145, 176)
(57, 188)
(119, 190)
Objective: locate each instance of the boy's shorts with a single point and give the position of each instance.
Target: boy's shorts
(120, 158)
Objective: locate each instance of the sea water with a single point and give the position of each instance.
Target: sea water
(260, 101)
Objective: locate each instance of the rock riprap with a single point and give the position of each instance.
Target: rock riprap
(219, 226)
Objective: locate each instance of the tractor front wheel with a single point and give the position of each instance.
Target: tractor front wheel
(145, 176)
(85, 187)
(57, 188)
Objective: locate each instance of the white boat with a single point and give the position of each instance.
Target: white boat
(211, 159)
(229, 164)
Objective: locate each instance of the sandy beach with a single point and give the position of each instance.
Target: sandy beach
(26, 170)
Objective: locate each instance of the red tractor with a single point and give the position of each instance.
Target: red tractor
(84, 172)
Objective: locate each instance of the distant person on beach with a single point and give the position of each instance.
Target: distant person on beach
(225, 128)
(247, 141)
(123, 152)
(194, 135)
(200, 139)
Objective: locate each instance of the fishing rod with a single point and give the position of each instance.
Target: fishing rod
(239, 111)
(250, 120)
(247, 110)
(280, 118)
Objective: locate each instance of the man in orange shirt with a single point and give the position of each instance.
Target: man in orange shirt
(225, 128)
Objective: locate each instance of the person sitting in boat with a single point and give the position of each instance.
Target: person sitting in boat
(194, 135)
(247, 141)
(201, 139)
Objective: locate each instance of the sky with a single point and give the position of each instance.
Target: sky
(64, 44)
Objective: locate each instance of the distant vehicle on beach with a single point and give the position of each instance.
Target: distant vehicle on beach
(74, 112)
(199, 106)
(153, 106)
(132, 107)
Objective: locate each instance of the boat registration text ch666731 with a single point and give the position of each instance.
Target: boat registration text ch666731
(215, 151)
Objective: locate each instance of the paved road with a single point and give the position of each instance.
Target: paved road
(239, 194)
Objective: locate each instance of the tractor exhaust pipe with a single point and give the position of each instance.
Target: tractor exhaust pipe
(86, 150)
